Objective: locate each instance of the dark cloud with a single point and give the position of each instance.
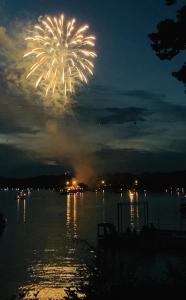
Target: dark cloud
(10, 155)
(171, 112)
(11, 158)
(15, 163)
(178, 144)
(102, 95)
(8, 127)
(123, 115)
(144, 95)
(143, 121)
(131, 160)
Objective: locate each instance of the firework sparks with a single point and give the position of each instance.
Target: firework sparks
(59, 56)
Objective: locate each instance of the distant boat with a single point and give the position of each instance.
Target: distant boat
(71, 191)
(22, 194)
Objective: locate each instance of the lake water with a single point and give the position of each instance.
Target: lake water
(44, 248)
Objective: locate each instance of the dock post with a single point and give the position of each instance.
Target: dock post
(144, 213)
(118, 219)
(147, 213)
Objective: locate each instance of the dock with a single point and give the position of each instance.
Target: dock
(147, 239)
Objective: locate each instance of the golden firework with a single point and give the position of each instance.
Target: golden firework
(59, 56)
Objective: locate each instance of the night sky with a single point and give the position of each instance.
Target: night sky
(132, 115)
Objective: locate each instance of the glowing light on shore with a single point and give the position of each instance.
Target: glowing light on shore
(59, 57)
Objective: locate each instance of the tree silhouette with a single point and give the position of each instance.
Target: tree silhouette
(170, 39)
(170, 2)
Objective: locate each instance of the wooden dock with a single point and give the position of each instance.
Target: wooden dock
(143, 238)
(149, 240)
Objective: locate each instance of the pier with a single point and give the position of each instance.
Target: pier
(144, 237)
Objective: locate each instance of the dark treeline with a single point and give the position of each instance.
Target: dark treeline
(48, 181)
(156, 181)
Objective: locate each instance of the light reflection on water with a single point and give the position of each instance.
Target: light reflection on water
(42, 250)
(52, 279)
(132, 212)
(67, 271)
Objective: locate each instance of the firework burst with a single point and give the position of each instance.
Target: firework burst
(59, 56)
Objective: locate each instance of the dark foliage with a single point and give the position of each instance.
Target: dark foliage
(170, 2)
(170, 39)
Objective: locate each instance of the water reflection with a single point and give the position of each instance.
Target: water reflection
(48, 256)
(24, 210)
(57, 267)
(21, 210)
(71, 215)
(134, 210)
(34, 291)
(18, 208)
(133, 213)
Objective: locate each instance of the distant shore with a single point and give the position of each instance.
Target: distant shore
(150, 181)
